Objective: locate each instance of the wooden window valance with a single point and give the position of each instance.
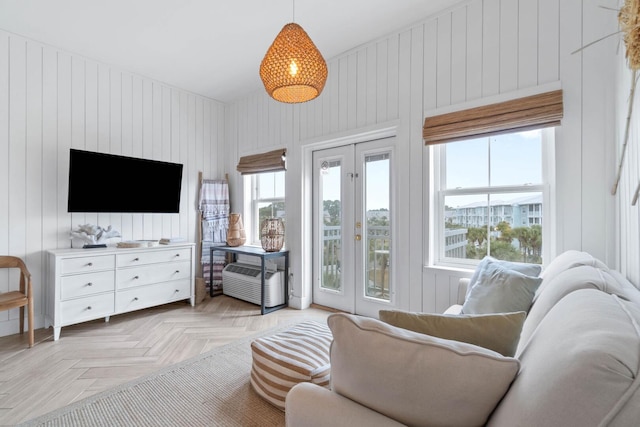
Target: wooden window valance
(272, 161)
(531, 112)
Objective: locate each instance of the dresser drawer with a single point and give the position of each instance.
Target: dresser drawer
(80, 285)
(145, 275)
(156, 294)
(89, 308)
(87, 264)
(152, 256)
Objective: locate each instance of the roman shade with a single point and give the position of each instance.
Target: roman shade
(531, 112)
(271, 161)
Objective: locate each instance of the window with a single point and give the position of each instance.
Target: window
(267, 201)
(491, 197)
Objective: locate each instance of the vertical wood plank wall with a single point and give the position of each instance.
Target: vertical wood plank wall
(476, 50)
(628, 247)
(51, 101)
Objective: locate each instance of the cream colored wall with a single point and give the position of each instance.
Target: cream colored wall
(51, 101)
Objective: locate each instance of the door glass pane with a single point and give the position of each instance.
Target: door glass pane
(331, 224)
(378, 226)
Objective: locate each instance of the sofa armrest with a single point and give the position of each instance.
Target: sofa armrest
(310, 405)
(463, 285)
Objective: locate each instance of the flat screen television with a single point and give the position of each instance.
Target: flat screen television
(101, 182)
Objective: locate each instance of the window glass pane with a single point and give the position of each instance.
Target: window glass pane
(516, 158)
(278, 184)
(514, 232)
(516, 227)
(270, 185)
(467, 163)
(268, 201)
(465, 233)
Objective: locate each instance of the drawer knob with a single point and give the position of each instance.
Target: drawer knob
(177, 290)
(135, 298)
(90, 264)
(177, 254)
(177, 271)
(89, 284)
(136, 259)
(89, 308)
(136, 277)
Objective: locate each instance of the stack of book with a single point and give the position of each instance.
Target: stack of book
(170, 240)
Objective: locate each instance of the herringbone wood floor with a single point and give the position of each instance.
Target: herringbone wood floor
(95, 356)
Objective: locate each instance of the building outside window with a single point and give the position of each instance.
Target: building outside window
(490, 196)
(267, 201)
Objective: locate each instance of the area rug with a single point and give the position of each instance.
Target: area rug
(211, 389)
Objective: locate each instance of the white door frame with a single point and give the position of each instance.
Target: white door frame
(384, 130)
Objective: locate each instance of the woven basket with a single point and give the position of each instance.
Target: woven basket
(201, 289)
(235, 235)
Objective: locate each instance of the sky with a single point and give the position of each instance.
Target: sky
(377, 191)
(515, 159)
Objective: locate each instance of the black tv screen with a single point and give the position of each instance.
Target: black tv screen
(110, 183)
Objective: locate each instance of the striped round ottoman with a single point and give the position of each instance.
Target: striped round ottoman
(298, 354)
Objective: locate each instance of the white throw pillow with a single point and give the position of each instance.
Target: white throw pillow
(414, 378)
(500, 290)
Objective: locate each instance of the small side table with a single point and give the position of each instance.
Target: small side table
(263, 255)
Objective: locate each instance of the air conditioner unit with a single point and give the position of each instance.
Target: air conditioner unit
(242, 281)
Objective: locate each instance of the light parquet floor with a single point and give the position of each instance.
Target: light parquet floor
(94, 356)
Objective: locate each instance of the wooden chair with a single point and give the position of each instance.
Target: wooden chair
(20, 298)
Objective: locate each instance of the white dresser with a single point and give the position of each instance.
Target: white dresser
(87, 284)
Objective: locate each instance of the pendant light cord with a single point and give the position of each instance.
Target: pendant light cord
(294, 11)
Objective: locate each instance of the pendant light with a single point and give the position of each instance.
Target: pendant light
(293, 69)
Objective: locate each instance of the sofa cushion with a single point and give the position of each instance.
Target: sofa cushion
(626, 290)
(521, 267)
(441, 382)
(500, 290)
(497, 332)
(580, 366)
(557, 287)
(565, 261)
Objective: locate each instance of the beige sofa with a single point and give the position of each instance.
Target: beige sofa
(576, 364)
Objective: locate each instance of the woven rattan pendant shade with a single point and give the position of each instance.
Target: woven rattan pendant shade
(293, 69)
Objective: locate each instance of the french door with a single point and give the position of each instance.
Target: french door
(353, 267)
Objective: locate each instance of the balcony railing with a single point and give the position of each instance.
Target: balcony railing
(378, 241)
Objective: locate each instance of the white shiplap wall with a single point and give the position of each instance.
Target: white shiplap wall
(51, 101)
(628, 214)
(479, 49)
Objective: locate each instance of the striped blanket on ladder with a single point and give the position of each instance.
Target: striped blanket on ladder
(214, 209)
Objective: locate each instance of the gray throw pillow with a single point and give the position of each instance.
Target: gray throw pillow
(521, 267)
(499, 290)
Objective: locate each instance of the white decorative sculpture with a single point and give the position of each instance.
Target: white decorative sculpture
(94, 234)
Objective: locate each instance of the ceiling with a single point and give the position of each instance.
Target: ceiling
(209, 47)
